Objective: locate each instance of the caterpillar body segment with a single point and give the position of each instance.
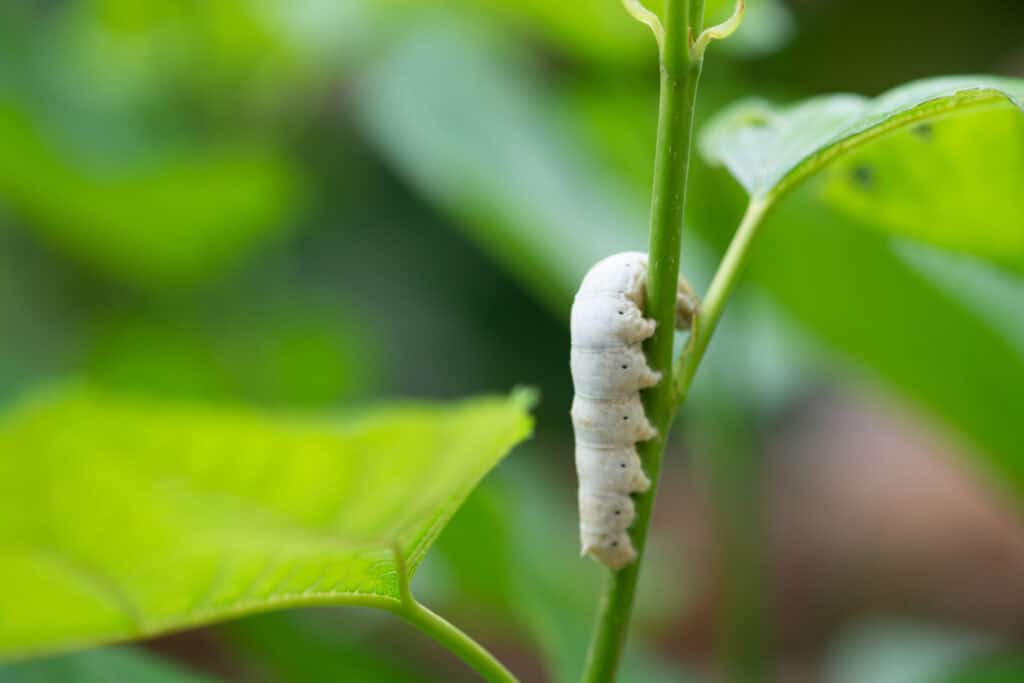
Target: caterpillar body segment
(609, 370)
(622, 463)
(607, 423)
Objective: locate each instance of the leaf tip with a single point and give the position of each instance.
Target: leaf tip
(526, 397)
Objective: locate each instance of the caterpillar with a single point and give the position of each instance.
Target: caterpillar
(608, 372)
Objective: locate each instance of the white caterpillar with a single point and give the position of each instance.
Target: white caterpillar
(608, 371)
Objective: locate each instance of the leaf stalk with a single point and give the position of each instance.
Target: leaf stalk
(444, 632)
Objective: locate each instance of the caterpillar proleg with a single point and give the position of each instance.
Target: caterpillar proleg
(608, 371)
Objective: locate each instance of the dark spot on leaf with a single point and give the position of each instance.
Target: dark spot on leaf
(624, 367)
(864, 176)
(923, 131)
(618, 512)
(622, 465)
(625, 417)
(615, 544)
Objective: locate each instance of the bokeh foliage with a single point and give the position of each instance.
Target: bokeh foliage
(302, 203)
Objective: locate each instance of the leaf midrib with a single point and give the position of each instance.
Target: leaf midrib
(961, 101)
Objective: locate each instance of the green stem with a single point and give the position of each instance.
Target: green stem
(460, 644)
(718, 294)
(680, 74)
(443, 631)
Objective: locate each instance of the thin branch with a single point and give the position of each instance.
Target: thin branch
(719, 31)
(637, 10)
(718, 294)
(444, 632)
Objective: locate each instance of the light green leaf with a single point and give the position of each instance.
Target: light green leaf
(107, 665)
(122, 518)
(940, 160)
(770, 149)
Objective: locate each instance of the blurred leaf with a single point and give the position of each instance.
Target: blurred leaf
(518, 166)
(290, 351)
(539, 581)
(296, 648)
(895, 652)
(42, 332)
(258, 56)
(107, 665)
(476, 139)
(162, 224)
(601, 31)
(999, 668)
(860, 296)
(157, 224)
(124, 518)
(767, 26)
(993, 294)
(952, 183)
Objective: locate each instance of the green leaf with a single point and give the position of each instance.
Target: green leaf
(124, 518)
(878, 308)
(162, 224)
(770, 149)
(107, 665)
(940, 160)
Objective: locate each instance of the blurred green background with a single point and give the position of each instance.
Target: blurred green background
(322, 203)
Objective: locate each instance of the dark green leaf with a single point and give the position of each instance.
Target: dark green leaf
(109, 665)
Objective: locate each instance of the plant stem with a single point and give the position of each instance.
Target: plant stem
(718, 294)
(680, 73)
(460, 644)
(443, 631)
